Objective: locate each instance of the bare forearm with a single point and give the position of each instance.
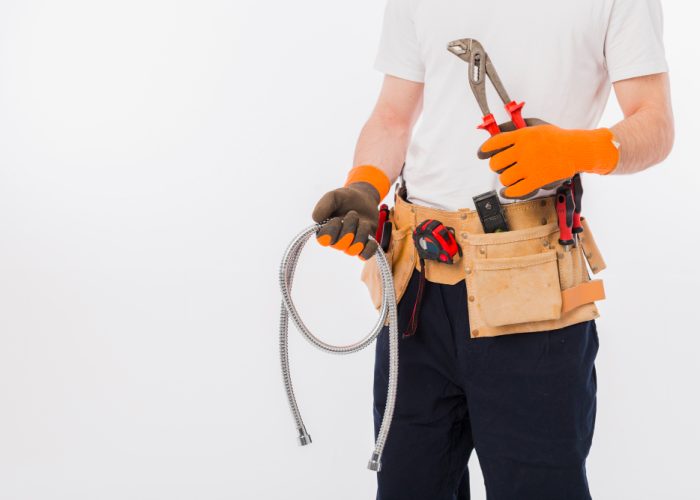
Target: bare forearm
(385, 137)
(645, 139)
(646, 134)
(383, 143)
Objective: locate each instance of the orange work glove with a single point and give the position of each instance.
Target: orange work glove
(530, 158)
(352, 212)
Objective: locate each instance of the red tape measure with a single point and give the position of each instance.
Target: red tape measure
(436, 242)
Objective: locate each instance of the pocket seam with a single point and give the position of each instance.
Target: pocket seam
(512, 236)
(501, 263)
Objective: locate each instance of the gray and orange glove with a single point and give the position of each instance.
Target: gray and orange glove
(352, 212)
(540, 155)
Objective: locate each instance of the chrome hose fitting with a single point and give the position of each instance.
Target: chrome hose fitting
(304, 437)
(387, 310)
(375, 463)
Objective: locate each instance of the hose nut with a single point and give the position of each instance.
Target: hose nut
(375, 463)
(304, 437)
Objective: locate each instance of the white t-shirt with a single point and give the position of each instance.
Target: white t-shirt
(559, 56)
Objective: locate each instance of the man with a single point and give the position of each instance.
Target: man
(521, 391)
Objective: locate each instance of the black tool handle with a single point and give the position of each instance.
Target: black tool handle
(577, 192)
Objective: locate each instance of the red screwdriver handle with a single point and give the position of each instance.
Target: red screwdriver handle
(383, 234)
(565, 215)
(515, 110)
(383, 216)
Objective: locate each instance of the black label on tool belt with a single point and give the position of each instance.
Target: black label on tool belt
(490, 211)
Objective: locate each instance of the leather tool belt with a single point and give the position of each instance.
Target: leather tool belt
(517, 281)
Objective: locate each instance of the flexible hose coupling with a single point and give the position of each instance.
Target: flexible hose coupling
(304, 437)
(375, 463)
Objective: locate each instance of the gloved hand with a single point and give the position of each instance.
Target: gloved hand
(541, 154)
(352, 212)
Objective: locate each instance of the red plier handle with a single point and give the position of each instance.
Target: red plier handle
(514, 109)
(490, 124)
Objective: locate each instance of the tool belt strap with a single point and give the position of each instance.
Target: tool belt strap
(581, 294)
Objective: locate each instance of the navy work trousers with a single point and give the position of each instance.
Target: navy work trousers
(526, 403)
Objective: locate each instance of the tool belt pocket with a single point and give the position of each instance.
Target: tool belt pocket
(402, 257)
(513, 278)
(523, 280)
(511, 290)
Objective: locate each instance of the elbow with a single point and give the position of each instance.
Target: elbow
(661, 136)
(670, 138)
(667, 137)
(667, 130)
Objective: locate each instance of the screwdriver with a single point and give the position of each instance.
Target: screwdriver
(577, 193)
(565, 215)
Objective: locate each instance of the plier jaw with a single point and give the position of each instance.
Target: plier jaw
(480, 66)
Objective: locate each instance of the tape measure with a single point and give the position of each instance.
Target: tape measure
(436, 242)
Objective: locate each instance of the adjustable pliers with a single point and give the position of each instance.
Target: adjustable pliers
(480, 66)
(568, 199)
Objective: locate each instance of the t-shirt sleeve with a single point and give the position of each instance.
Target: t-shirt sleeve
(634, 41)
(399, 53)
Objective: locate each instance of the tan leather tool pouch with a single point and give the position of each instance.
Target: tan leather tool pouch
(517, 289)
(512, 277)
(524, 281)
(517, 281)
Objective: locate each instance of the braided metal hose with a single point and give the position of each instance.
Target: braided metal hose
(388, 309)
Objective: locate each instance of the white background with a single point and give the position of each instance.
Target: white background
(155, 159)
